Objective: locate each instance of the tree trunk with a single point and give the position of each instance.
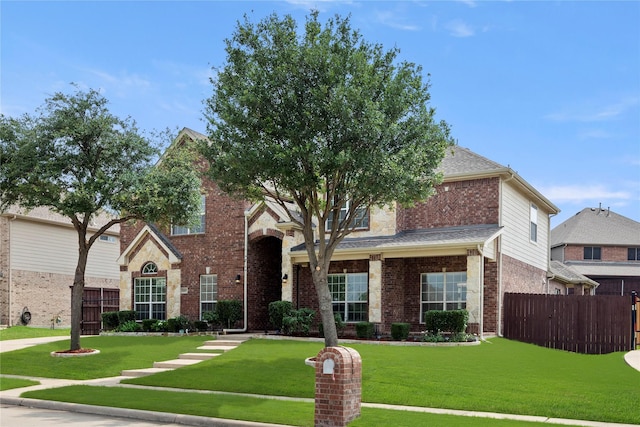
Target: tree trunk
(326, 306)
(76, 298)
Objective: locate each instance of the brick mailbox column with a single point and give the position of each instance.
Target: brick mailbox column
(338, 386)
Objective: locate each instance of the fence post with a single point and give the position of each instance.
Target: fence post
(634, 317)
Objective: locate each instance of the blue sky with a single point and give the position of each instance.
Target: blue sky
(551, 89)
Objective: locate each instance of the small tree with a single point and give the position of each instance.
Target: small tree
(79, 160)
(325, 120)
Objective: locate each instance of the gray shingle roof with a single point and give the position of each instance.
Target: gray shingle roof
(462, 161)
(567, 274)
(436, 237)
(164, 239)
(595, 226)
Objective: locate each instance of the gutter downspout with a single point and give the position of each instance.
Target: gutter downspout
(10, 278)
(245, 304)
(481, 295)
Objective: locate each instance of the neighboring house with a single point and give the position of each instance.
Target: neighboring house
(38, 257)
(601, 245)
(484, 233)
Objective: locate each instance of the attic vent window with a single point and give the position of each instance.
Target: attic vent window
(150, 268)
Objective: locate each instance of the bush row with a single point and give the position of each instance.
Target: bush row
(225, 315)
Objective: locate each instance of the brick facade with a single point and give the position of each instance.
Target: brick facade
(470, 202)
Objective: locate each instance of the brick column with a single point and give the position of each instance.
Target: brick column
(338, 386)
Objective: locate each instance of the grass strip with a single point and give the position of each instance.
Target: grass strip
(20, 332)
(251, 409)
(9, 383)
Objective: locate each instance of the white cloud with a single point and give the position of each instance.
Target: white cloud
(580, 194)
(393, 20)
(597, 113)
(458, 28)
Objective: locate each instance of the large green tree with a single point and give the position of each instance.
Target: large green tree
(77, 159)
(326, 124)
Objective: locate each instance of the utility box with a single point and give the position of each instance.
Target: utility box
(338, 386)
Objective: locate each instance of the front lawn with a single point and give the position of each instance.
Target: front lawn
(500, 376)
(116, 354)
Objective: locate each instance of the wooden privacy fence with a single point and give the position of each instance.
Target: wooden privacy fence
(594, 324)
(96, 301)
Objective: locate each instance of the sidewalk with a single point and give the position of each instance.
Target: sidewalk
(12, 397)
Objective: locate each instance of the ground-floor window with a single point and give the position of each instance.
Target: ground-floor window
(150, 295)
(350, 294)
(443, 291)
(208, 293)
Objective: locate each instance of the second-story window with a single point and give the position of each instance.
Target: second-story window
(177, 230)
(360, 220)
(592, 252)
(533, 220)
(633, 254)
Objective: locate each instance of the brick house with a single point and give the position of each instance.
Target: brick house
(601, 245)
(38, 258)
(484, 233)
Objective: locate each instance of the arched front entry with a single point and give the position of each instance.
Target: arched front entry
(264, 265)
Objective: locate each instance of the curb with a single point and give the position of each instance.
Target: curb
(138, 414)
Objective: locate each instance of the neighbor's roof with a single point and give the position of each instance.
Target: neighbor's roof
(597, 269)
(596, 226)
(567, 274)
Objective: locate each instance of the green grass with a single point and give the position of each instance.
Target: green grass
(9, 383)
(252, 409)
(19, 332)
(502, 376)
(116, 354)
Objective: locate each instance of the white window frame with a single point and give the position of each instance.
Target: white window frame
(347, 293)
(208, 292)
(150, 293)
(443, 291)
(533, 223)
(150, 268)
(182, 230)
(361, 213)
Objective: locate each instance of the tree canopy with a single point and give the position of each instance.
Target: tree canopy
(79, 160)
(324, 119)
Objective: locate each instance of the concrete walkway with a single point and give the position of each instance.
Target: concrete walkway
(12, 397)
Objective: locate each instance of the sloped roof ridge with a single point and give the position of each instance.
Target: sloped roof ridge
(160, 235)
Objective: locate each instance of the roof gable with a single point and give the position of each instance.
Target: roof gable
(596, 226)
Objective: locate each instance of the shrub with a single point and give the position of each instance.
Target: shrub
(110, 320)
(159, 326)
(298, 321)
(148, 325)
(129, 326)
(229, 312)
(451, 321)
(175, 324)
(125, 316)
(277, 312)
(211, 317)
(364, 330)
(399, 331)
(201, 325)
